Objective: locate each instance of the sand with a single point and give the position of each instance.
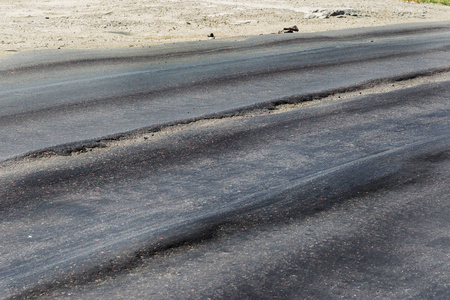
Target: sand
(85, 24)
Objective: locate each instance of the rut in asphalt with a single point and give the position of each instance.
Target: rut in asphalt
(276, 106)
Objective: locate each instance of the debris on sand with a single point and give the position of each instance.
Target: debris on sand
(289, 29)
(326, 13)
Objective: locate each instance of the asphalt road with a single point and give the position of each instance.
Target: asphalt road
(179, 172)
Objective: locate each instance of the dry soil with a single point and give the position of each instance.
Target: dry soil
(80, 24)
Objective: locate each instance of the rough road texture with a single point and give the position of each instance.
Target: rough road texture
(68, 24)
(209, 194)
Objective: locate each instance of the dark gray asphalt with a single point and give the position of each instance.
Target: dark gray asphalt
(93, 95)
(341, 199)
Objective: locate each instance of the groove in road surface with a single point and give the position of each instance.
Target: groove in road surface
(383, 85)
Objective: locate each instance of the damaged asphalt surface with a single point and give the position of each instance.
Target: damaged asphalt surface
(190, 171)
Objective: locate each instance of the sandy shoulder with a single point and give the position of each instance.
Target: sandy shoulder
(82, 24)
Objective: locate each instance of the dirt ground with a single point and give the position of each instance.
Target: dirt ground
(80, 24)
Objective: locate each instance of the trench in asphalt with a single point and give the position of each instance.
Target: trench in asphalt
(378, 86)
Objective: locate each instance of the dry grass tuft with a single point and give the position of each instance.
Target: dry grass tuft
(443, 2)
